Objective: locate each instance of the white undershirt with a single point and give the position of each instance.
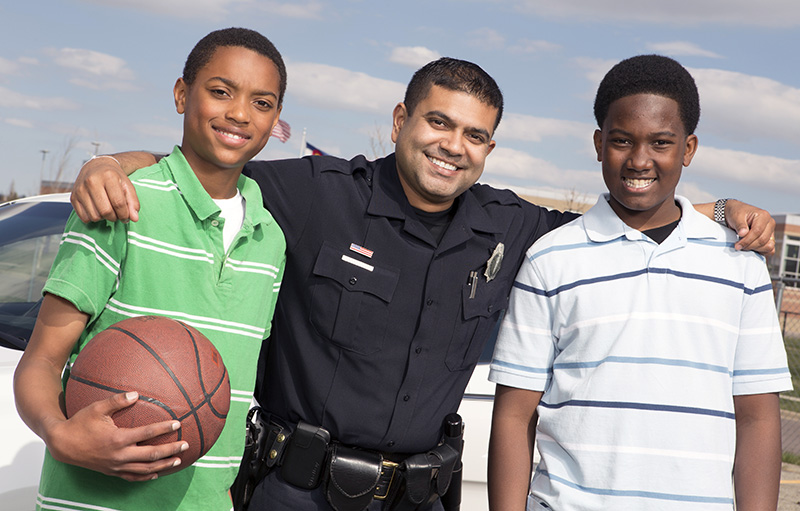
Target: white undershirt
(233, 213)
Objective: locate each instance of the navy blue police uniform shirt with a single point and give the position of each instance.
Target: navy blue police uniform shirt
(377, 345)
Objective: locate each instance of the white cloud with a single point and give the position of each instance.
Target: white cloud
(8, 67)
(744, 107)
(95, 70)
(755, 170)
(764, 13)
(13, 67)
(529, 46)
(170, 133)
(595, 69)
(681, 48)
(512, 163)
(535, 129)
(694, 192)
(192, 9)
(92, 62)
(305, 10)
(518, 164)
(735, 106)
(11, 99)
(487, 38)
(216, 10)
(21, 123)
(491, 39)
(413, 56)
(97, 84)
(335, 88)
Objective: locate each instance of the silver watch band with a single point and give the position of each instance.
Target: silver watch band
(719, 211)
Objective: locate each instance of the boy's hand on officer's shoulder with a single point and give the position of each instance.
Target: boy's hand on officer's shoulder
(755, 227)
(102, 191)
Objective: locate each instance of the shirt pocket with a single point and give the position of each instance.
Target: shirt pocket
(351, 299)
(479, 315)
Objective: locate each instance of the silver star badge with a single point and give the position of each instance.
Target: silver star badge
(494, 262)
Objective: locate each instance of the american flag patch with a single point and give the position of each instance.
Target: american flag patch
(361, 250)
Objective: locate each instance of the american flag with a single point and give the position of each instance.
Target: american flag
(282, 130)
(361, 250)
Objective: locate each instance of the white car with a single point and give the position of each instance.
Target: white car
(476, 411)
(30, 231)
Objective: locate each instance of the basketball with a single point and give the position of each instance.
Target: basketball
(177, 372)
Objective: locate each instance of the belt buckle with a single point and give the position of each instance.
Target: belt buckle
(388, 470)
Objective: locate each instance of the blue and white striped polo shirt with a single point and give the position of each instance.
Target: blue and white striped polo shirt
(639, 349)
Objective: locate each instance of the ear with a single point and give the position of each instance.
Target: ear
(179, 91)
(598, 144)
(490, 148)
(689, 150)
(277, 118)
(399, 116)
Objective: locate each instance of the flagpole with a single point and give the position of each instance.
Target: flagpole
(303, 145)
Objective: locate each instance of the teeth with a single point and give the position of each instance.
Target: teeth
(637, 183)
(442, 164)
(231, 135)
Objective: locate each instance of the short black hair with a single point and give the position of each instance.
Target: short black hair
(650, 74)
(456, 75)
(243, 37)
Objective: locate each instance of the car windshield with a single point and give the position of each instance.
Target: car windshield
(29, 239)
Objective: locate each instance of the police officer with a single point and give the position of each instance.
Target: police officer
(397, 270)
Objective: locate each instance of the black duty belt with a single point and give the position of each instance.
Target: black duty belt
(352, 476)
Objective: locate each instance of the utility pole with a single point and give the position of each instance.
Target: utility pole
(41, 173)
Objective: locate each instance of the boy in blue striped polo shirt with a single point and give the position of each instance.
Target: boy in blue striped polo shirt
(640, 350)
(208, 254)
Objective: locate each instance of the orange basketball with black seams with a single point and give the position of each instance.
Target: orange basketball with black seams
(176, 370)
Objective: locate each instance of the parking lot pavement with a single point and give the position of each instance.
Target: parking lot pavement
(789, 499)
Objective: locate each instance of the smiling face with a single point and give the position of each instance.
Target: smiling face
(441, 146)
(643, 147)
(229, 110)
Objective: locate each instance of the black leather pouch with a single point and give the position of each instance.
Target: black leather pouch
(352, 477)
(304, 462)
(425, 477)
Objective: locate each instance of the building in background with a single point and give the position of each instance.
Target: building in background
(784, 267)
(785, 263)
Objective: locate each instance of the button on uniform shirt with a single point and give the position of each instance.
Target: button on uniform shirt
(377, 329)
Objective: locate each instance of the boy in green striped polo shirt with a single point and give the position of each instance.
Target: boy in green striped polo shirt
(209, 255)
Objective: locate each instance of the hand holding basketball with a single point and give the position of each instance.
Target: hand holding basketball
(90, 439)
(177, 372)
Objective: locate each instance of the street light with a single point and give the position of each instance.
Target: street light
(41, 173)
(96, 146)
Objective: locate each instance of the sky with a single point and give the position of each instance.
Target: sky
(84, 76)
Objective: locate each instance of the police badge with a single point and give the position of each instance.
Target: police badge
(494, 262)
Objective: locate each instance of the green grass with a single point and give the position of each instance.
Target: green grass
(792, 344)
(792, 458)
(791, 332)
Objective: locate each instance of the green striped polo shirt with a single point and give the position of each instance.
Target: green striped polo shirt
(172, 263)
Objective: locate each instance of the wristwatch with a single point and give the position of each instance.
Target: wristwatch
(719, 211)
